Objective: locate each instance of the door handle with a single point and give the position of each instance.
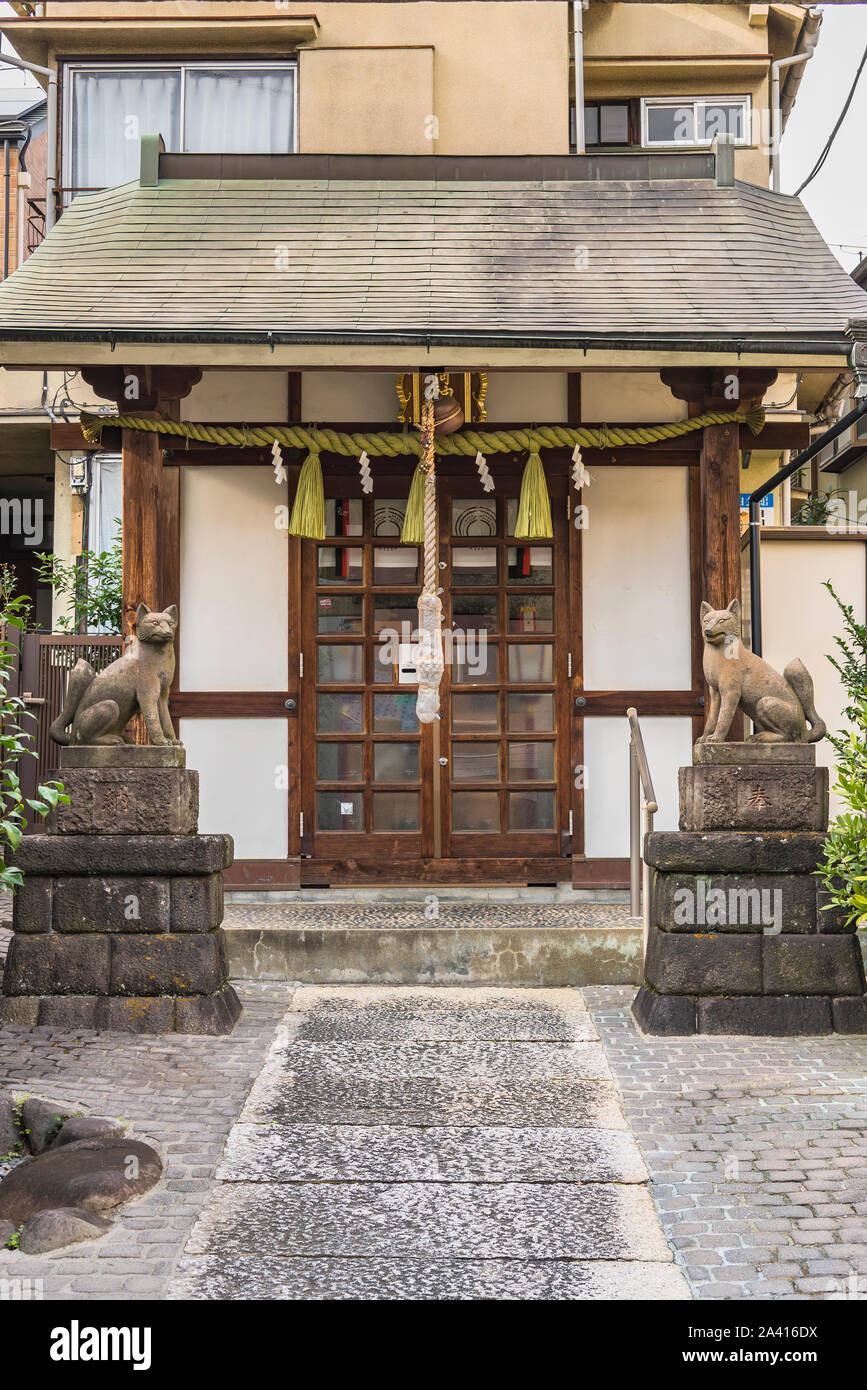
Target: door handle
(443, 762)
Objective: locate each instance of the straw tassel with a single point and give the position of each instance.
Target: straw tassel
(534, 508)
(413, 522)
(308, 510)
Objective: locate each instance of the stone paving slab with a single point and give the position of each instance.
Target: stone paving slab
(210, 1277)
(393, 1013)
(333, 1100)
(510, 1220)
(397, 1153)
(389, 1165)
(757, 1149)
(506, 1061)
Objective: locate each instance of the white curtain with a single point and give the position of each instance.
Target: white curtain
(239, 111)
(111, 111)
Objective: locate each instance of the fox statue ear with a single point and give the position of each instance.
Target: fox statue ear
(705, 609)
(141, 612)
(735, 607)
(173, 613)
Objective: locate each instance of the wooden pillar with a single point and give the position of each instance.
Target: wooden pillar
(720, 514)
(719, 389)
(142, 499)
(151, 493)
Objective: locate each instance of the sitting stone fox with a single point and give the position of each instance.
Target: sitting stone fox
(780, 706)
(98, 706)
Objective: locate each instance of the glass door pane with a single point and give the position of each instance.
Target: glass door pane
(501, 780)
(367, 789)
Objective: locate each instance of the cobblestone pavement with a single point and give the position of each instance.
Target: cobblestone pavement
(414, 1143)
(757, 1150)
(181, 1094)
(467, 1143)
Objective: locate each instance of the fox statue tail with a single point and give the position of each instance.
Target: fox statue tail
(801, 681)
(80, 678)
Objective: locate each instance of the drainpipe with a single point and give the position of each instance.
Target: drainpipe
(776, 111)
(7, 207)
(51, 134)
(578, 8)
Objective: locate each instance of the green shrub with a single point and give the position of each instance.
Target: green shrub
(92, 586)
(844, 871)
(15, 742)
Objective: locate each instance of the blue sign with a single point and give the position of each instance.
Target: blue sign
(767, 501)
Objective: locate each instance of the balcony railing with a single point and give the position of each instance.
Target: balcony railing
(35, 223)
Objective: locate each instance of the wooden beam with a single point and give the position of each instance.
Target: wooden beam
(68, 438)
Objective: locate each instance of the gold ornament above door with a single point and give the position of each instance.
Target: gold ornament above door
(469, 389)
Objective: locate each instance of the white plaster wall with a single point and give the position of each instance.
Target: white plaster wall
(239, 398)
(234, 580)
(636, 581)
(526, 398)
(800, 618)
(347, 396)
(637, 398)
(668, 741)
(242, 783)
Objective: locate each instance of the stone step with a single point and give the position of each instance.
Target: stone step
(475, 1220)
(306, 1099)
(433, 1153)
(508, 1061)
(393, 1013)
(263, 1277)
(537, 944)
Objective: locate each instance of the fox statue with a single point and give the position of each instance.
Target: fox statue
(780, 706)
(98, 706)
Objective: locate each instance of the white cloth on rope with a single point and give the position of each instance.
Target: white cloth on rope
(484, 472)
(580, 477)
(279, 467)
(364, 469)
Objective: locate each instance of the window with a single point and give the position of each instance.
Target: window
(606, 123)
(694, 121)
(217, 108)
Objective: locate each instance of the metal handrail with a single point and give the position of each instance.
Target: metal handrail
(639, 782)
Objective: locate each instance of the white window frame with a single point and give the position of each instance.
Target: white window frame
(72, 69)
(695, 102)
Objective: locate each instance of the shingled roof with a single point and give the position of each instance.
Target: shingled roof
(395, 260)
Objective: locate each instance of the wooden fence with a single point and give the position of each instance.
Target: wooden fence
(43, 662)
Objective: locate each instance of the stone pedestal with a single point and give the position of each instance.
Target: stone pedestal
(117, 924)
(741, 937)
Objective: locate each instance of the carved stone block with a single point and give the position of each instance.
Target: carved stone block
(111, 801)
(753, 798)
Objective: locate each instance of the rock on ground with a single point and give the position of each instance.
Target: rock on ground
(41, 1120)
(51, 1230)
(10, 1139)
(86, 1127)
(96, 1174)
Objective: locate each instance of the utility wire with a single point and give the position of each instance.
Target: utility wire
(840, 119)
